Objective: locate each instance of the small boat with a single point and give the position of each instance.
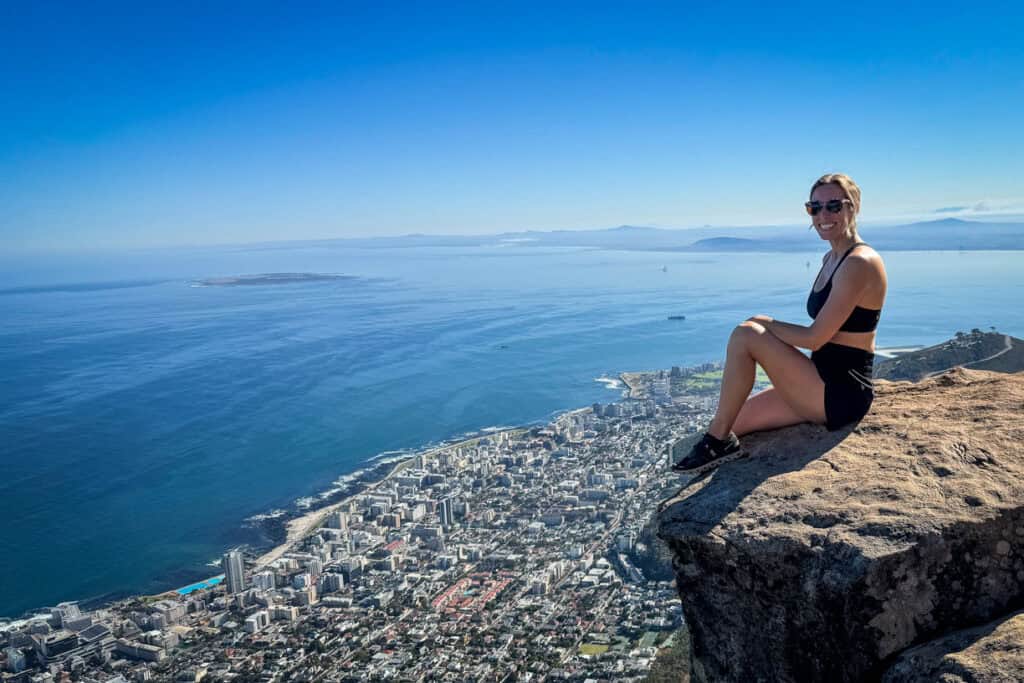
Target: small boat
(677, 317)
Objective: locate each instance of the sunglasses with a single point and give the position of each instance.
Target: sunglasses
(832, 206)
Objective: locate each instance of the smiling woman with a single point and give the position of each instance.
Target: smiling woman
(832, 387)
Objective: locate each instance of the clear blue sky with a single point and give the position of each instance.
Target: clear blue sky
(127, 125)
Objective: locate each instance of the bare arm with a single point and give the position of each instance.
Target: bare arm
(848, 286)
(791, 333)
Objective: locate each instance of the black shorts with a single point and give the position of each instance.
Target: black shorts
(846, 372)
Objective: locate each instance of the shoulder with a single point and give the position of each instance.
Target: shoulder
(864, 256)
(863, 263)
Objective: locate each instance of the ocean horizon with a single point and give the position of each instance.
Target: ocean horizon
(145, 417)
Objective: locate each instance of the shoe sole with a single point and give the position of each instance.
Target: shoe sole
(717, 462)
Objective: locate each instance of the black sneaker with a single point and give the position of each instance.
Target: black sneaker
(709, 453)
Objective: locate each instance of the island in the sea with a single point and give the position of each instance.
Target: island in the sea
(270, 279)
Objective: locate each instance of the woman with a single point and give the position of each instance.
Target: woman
(832, 387)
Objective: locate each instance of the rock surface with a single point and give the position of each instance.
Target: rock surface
(822, 556)
(992, 653)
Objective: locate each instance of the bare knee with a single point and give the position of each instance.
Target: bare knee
(746, 333)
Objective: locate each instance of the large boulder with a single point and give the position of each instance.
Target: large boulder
(822, 556)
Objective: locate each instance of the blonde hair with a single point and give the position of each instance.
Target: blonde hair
(849, 188)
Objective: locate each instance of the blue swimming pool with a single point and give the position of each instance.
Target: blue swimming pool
(207, 583)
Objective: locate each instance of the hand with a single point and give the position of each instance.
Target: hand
(761, 318)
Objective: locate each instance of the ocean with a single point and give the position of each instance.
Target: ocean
(144, 418)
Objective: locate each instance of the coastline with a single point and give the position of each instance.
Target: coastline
(300, 526)
(632, 383)
(296, 524)
(893, 351)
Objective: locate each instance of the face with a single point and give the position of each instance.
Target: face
(831, 225)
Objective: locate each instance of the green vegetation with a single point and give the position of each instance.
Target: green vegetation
(715, 375)
(648, 639)
(700, 382)
(672, 664)
(593, 649)
(704, 382)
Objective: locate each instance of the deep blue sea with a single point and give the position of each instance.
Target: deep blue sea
(142, 418)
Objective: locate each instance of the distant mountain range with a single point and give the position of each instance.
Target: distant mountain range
(948, 234)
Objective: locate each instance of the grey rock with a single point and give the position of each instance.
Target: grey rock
(993, 653)
(821, 556)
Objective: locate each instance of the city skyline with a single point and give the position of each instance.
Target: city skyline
(168, 128)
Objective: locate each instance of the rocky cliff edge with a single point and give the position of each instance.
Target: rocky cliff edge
(826, 556)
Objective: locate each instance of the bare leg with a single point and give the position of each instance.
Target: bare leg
(793, 376)
(765, 410)
(737, 381)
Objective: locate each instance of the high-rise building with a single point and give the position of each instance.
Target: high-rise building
(330, 583)
(447, 513)
(316, 568)
(257, 622)
(234, 571)
(337, 520)
(16, 660)
(64, 612)
(264, 581)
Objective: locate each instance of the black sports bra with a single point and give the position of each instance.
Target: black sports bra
(860, 320)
